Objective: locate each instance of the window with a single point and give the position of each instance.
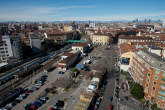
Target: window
(153, 88)
(164, 74)
(157, 71)
(149, 74)
(163, 79)
(154, 83)
(156, 77)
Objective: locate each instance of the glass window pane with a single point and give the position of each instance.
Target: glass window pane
(157, 71)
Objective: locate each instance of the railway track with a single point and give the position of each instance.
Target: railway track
(11, 86)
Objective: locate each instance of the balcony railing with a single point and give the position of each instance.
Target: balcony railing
(163, 79)
(162, 92)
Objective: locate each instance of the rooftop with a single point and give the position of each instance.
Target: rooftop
(124, 47)
(152, 59)
(134, 37)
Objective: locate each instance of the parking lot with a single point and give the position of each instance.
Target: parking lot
(100, 56)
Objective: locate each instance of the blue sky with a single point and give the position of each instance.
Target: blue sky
(52, 10)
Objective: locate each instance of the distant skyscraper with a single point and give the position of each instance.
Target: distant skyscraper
(164, 22)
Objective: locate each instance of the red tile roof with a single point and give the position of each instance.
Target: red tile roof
(66, 60)
(135, 37)
(67, 54)
(127, 48)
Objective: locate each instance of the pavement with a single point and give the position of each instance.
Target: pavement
(111, 78)
(131, 103)
(52, 76)
(73, 94)
(108, 61)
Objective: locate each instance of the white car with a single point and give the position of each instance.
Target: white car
(3, 108)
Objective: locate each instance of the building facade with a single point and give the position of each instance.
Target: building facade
(10, 47)
(148, 69)
(126, 54)
(67, 60)
(35, 43)
(83, 48)
(148, 40)
(98, 39)
(17, 47)
(163, 22)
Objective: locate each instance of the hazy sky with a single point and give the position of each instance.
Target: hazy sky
(52, 10)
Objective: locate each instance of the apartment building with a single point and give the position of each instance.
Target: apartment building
(148, 69)
(146, 40)
(61, 37)
(67, 60)
(3, 52)
(100, 39)
(82, 47)
(126, 54)
(10, 47)
(35, 42)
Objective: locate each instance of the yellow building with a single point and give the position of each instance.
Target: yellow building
(100, 39)
(126, 55)
(67, 28)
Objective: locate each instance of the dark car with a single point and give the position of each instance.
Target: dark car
(98, 101)
(60, 103)
(61, 72)
(111, 98)
(37, 104)
(42, 79)
(30, 107)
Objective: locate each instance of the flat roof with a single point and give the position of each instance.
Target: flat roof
(81, 41)
(152, 59)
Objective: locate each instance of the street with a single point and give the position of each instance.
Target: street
(110, 79)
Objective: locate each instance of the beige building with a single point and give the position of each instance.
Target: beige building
(100, 39)
(80, 47)
(67, 28)
(126, 54)
(67, 60)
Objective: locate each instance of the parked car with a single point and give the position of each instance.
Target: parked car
(30, 106)
(60, 103)
(111, 98)
(110, 107)
(98, 101)
(28, 91)
(38, 85)
(37, 104)
(34, 88)
(3, 108)
(43, 99)
(55, 106)
(61, 72)
(51, 108)
(21, 97)
(10, 105)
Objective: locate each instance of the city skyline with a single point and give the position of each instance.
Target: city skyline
(80, 10)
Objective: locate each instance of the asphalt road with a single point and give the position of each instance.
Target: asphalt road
(111, 78)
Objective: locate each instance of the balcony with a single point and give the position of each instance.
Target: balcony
(162, 86)
(163, 79)
(161, 98)
(161, 92)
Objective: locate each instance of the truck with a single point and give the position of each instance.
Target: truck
(87, 62)
(86, 101)
(94, 85)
